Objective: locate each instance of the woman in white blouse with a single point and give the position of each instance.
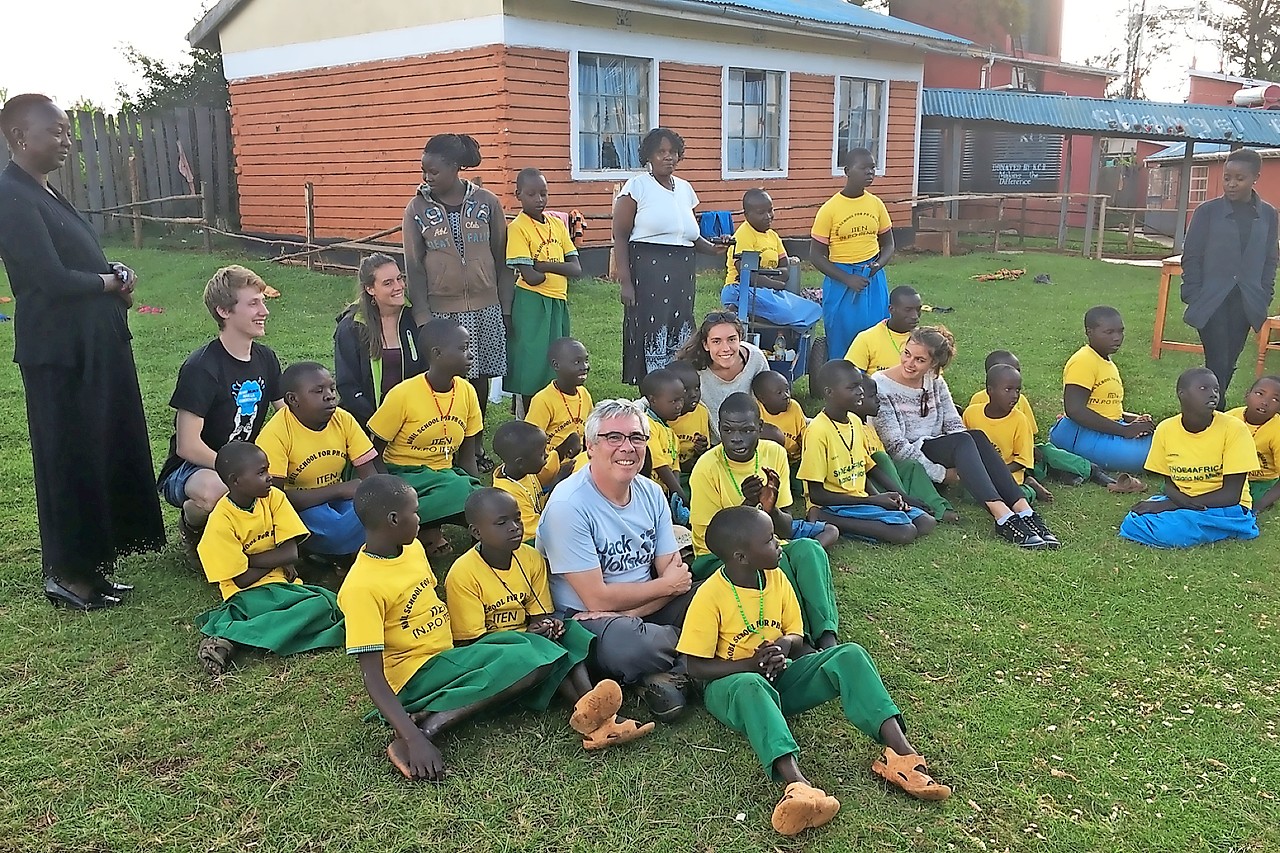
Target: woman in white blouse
(655, 238)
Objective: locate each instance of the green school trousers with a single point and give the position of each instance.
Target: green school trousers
(1258, 488)
(749, 704)
(910, 478)
(1052, 458)
(807, 567)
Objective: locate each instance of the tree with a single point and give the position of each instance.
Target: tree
(198, 81)
(1251, 37)
(1151, 33)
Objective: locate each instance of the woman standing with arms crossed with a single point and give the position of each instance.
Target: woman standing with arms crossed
(95, 491)
(656, 241)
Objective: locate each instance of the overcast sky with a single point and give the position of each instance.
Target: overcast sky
(72, 50)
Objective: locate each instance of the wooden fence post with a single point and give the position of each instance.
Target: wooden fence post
(206, 213)
(309, 190)
(1102, 226)
(135, 196)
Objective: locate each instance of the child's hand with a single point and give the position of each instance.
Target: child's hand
(348, 490)
(547, 626)
(855, 282)
(769, 494)
(570, 448)
(769, 660)
(425, 761)
(752, 490)
(290, 572)
(1137, 429)
(889, 500)
(951, 477)
(700, 443)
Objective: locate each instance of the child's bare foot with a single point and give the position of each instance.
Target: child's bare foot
(950, 517)
(427, 764)
(803, 807)
(826, 640)
(1042, 494)
(908, 772)
(214, 654)
(434, 542)
(597, 707)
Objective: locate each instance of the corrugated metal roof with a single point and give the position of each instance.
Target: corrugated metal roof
(837, 12)
(1104, 117)
(1177, 149)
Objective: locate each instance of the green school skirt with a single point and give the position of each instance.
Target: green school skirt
(750, 704)
(283, 618)
(466, 675)
(1258, 488)
(537, 320)
(441, 494)
(807, 567)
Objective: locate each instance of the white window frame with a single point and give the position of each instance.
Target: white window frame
(836, 168)
(575, 117)
(1198, 191)
(784, 127)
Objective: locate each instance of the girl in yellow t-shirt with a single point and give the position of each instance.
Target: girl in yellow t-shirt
(1261, 414)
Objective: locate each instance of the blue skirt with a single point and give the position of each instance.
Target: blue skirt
(846, 314)
(777, 307)
(335, 530)
(867, 512)
(1186, 528)
(1112, 452)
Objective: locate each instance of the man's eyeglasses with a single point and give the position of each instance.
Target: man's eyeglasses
(615, 439)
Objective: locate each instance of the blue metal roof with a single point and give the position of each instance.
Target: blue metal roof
(837, 12)
(1105, 117)
(1177, 149)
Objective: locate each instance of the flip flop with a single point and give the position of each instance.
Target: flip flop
(596, 708)
(803, 807)
(907, 772)
(615, 733)
(1126, 484)
(214, 654)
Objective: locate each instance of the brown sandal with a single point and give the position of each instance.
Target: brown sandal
(214, 654)
(803, 807)
(437, 546)
(615, 733)
(907, 772)
(1126, 484)
(597, 707)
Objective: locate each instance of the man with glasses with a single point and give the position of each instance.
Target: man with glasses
(615, 565)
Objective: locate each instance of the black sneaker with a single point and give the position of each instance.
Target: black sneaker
(1035, 522)
(664, 693)
(1015, 532)
(190, 537)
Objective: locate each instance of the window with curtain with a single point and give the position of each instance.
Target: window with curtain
(859, 116)
(613, 111)
(753, 121)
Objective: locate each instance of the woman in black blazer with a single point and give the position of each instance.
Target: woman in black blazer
(95, 490)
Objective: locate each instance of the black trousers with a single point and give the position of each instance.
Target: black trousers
(1223, 338)
(979, 465)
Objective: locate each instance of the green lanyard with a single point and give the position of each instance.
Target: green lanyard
(724, 460)
(743, 613)
(892, 340)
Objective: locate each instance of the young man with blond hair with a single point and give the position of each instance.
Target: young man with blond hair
(222, 394)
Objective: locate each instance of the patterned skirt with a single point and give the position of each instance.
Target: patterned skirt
(488, 339)
(662, 318)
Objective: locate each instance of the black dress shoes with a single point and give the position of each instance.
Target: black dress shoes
(60, 596)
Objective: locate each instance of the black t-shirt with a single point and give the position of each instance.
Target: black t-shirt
(1244, 213)
(234, 397)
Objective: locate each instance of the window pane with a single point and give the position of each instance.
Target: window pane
(736, 83)
(613, 110)
(752, 122)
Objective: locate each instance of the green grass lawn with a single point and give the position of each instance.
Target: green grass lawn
(1104, 697)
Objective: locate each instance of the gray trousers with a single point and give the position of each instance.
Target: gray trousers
(628, 648)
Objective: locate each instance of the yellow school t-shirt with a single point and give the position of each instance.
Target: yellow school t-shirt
(529, 493)
(1266, 441)
(232, 534)
(1100, 377)
(483, 599)
(687, 427)
(877, 348)
(748, 239)
(391, 606)
(560, 415)
(836, 455)
(871, 438)
(529, 240)
(851, 227)
(981, 398)
(716, 484)
(793, 423)
(305, 459)
(1197, 462)
(664, 447)
(1011, 436)
(720, 626)
(422, 427)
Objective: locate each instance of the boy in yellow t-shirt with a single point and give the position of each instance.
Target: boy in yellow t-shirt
(742, 638)
(1205, 457)
(1006, 426)
(1261, 414)
(852, 243)
(880, 347)
(310, 444)
(1096, 426)
(399, 631)
(249, 549)
(782, 412)
(542, 253)
(664, 401)
(527, 473)
(560, 409)
(775, 285)
(428, 430)
(693, 427)
(835, 466)
(501, 585)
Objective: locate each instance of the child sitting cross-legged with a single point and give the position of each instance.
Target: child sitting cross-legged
(249, 548)
(1261, 414)
(309, 445)
(1206, 457)
(693, 427)
(742, 638)
(528, 471)
(501, 585)
(560, 410)
(836, 465)
(746, 471)
(1006, 427)
(399, 631)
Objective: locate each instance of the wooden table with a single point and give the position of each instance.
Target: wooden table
(1170, 268)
